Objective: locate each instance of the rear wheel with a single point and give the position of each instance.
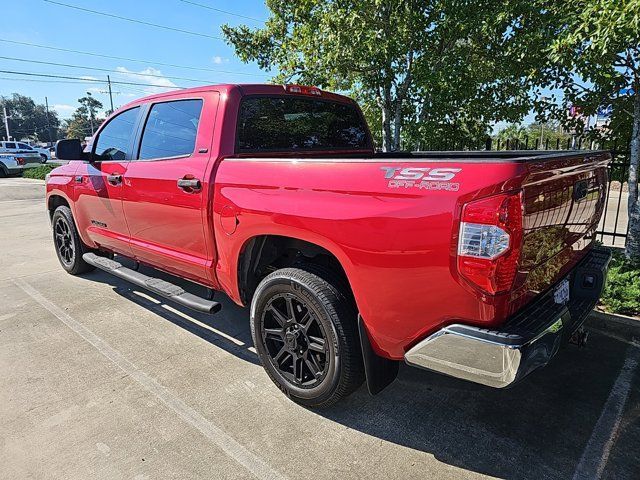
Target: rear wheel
(304, 330)
(69, 247)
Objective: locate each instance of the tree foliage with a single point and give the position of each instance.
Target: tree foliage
(27, 119)
(547, 135)
(85, 119)
(435, 69)
(594, 59)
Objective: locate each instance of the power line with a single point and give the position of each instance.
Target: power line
(133, 20)
(83, 67)
(85, 82)
(88, 80)
(147, 62)
(208, 7)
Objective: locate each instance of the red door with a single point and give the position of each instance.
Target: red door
(98, 185)
(165, 188)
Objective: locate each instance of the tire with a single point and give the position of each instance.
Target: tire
(305, 332)
(67, 242)
(43, 157)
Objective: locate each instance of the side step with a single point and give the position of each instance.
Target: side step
(168, 290)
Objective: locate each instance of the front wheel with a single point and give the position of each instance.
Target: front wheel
(69, 246)
(305, 332)
(43, 158)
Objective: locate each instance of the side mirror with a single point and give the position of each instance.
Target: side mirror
(69, 149)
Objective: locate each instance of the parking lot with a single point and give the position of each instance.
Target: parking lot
(99, 380)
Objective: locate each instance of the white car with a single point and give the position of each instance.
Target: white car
(21, 147)
(12, 164)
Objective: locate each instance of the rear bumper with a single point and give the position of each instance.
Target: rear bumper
(528, 340)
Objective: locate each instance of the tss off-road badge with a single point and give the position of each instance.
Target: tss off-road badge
(422, 178)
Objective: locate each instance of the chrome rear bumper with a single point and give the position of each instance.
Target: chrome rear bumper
(527, 341)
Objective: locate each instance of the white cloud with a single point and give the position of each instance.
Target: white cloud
(219, 60)
(152, 76)
(63, 109)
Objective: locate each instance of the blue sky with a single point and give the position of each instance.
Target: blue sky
(43, 23)
(49, 24)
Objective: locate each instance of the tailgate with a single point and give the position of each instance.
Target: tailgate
(563, 201)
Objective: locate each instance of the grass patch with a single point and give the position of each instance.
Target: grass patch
(622, 294)
(38, 172)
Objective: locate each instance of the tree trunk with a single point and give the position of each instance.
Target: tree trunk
(397, 124)
(632, 248)
(386, 129)
(384, 101)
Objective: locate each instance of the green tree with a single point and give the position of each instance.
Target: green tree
(85, 119)
(430, 67)
(591, 53)
(539, 134)
(28, 119)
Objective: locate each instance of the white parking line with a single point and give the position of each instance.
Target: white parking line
(219, 437)
(596, 453)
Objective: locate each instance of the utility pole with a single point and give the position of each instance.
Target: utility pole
(46, 104)
(110, 95)
(90, 108)
(6, 121)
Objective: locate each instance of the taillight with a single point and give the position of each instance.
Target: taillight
(303, 89)
(490, 242)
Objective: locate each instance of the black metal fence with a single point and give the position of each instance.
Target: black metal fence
(614, 224)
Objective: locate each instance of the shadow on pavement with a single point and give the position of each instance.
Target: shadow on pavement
(537, 429)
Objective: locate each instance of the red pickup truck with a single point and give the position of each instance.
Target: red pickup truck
(478, 265)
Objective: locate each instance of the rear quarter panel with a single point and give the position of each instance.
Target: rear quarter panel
(396, 244)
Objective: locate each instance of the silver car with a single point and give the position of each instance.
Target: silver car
(11, 164)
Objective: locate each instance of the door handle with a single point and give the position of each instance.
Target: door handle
(189, 185)
(114, 179)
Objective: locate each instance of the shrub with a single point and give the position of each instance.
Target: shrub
(622, 294)
(38, 172)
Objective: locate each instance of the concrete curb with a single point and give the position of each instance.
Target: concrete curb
(620, 325)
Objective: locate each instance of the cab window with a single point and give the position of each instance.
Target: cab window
(114, 140)
(171, 129)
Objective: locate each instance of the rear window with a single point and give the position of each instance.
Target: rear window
(298, 124)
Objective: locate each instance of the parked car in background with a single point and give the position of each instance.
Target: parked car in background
(22, 147)
(478, 265)
(13, 164)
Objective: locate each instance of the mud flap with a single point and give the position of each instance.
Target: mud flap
(379, 371)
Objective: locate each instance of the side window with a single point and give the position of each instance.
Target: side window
(24, 146)
(9, 145)
(171, 129)
(115, 138)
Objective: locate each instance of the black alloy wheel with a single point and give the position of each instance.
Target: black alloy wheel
(64, 241)
(304, 329)
(67, 242)
(295, 340)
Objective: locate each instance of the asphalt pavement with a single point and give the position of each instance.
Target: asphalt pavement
(100, 380)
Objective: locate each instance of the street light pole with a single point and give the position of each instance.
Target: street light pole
(6, 121)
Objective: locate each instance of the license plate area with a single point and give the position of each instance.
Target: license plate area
(561, 292)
